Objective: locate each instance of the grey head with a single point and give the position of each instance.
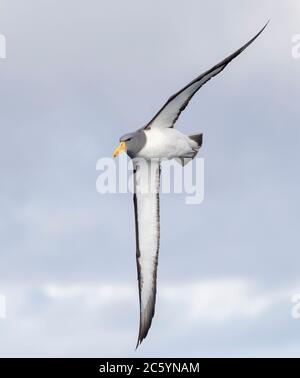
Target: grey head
(134, 142)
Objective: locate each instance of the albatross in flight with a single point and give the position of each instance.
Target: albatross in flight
(147, 147)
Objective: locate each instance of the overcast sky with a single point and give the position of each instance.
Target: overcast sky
(79, 74)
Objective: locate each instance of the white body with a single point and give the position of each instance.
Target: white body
(167, 144)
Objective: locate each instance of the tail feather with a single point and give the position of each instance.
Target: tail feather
(198, 138)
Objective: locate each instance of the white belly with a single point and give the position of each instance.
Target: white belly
(166, 143)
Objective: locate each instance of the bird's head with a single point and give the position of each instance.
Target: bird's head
(131, 143)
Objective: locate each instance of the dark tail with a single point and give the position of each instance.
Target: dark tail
(198, 138)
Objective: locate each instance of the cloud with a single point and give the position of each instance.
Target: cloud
(101, 318)
(101, 293)
(217, 300)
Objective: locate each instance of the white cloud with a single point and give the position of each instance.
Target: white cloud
(101, 293)
(220, 300)
(101, 318)
(213, 300)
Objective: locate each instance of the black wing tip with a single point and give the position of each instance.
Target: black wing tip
(139, 342)
(267, 23)
(226, 61)
(142, 335)
(143, 331)
(259, 33)
(146, 321)
(221, 65)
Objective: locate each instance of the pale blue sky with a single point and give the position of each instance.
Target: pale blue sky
(79, 74)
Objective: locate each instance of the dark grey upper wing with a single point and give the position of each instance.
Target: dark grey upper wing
(169, 113)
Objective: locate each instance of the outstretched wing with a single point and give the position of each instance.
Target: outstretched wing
(146, 206)
(170, 112)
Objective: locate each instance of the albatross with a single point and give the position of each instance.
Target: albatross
(148, 146)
